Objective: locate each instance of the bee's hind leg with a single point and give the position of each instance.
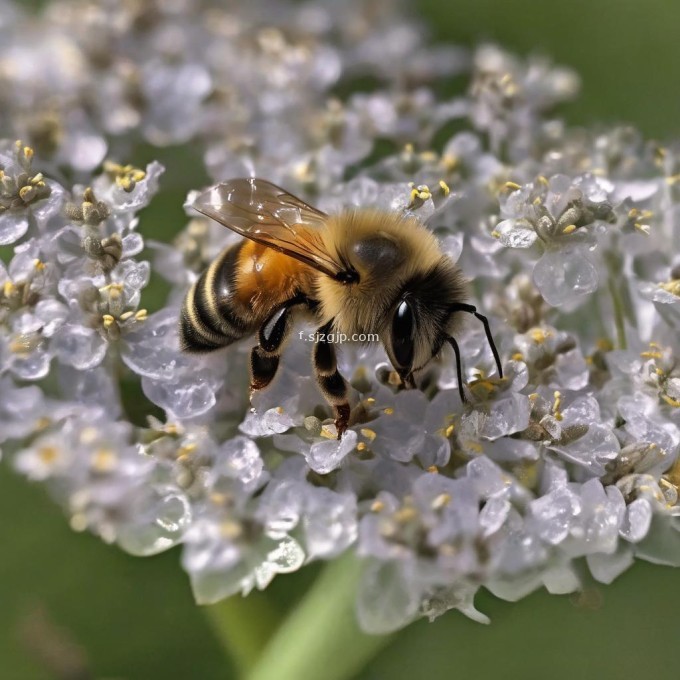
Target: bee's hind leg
(264, 358)
(333, 385)
(263, 367)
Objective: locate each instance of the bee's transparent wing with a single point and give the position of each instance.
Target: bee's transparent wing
(267, 214)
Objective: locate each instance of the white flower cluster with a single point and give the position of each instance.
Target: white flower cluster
(567, 463)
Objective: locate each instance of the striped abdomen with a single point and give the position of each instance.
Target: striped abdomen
(211, 316)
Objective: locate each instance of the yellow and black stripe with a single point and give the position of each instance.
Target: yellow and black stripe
(209, 318)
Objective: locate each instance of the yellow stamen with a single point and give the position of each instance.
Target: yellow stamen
(441, 501)
(368, 433)
(556, 405)
(651, 355)
(670, 401)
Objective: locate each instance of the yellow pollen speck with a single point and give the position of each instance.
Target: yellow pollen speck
(444, 187)
(186, 449)
(569, 229)
(48, 454)
(449, 430)
(604, 345)
(39, 265)
(42, 423)
(433, 469)
(229, 529)
(449, 161)
(496, 234)
(368, 433)
(89, 435)
(370, 401)
(673, 179)
(538, 335)
(441, 501)
(377, 506)
(361, 446)
(642, 228)
(672, 286)
(474, 446)
(542, 179)
(8, 289)
(104, 460)
(108, 320)
(511, 186)
(408, 148)
(405, 514)
(28, 152)
(537, 200)
(279, 409)
(517, 356)
(141, 315)
(388, 411)
(112, 288)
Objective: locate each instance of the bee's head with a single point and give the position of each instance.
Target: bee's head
(421, 318)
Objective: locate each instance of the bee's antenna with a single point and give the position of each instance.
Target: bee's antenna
(471, 309)
(459, 370)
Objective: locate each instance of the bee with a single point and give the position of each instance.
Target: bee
(360, 271)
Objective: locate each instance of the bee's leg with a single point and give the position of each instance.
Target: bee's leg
(263, 368)
(333, 385)
(264, 358)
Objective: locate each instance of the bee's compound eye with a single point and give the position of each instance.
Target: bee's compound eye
(403, 332)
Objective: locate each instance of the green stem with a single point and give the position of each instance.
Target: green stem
(619, 315)
(243, 626)
(321, 637)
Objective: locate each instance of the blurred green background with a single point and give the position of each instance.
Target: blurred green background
(125, 618)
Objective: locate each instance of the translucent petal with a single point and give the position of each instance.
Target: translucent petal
(78, 346)
(12, 227)
(182, 398)
(386, 600)
(328, 455)
(562, 275)
(514, 233)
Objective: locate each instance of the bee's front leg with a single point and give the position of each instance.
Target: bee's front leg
(333, 385)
